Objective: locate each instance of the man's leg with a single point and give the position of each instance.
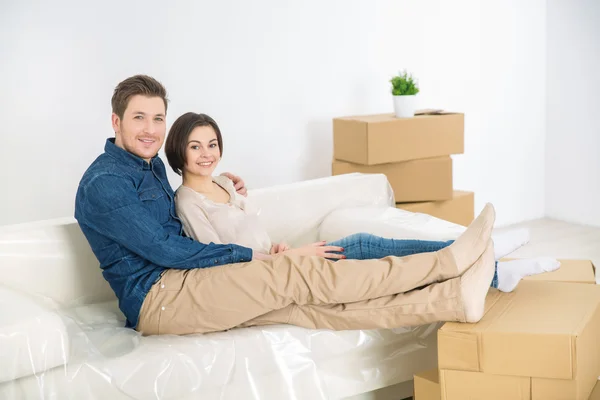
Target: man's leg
(459, 299)
(436, 302)
(220, 298)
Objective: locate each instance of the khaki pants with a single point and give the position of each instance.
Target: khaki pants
(311, 292)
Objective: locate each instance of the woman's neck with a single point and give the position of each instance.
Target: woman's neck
(201, 184)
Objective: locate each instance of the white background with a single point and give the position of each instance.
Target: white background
(274, 73)
(573, 123)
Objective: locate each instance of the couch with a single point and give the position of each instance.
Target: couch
(62, 335)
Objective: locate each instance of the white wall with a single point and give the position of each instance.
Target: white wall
(273, 73)
(573, 133)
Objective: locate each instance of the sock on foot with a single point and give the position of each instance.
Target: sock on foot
(469, 246)
(509, 241)
(475, 284)
(511, 272)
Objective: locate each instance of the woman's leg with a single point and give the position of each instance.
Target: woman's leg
(364, 246)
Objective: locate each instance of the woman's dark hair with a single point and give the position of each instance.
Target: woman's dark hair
(178, 136)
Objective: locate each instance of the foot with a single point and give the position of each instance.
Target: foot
(507, 242)
(475, 284)
(473, 242)
(510, 273)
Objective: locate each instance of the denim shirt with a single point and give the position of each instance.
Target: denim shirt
(125, 208)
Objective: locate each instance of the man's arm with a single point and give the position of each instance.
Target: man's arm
(110, 205)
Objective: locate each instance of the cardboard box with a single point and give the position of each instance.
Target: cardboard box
(427, 385)
(596, 393)
(574, 271)
(383, 138)
(460, 209)
(418, 180)
(539, 342)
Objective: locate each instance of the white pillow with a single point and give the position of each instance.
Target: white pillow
(33, 338)
(387, 222)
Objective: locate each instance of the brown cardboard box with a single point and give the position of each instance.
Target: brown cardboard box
(460, 209)
(383, 138)
(467, 385)
(574, 271)
(539, 342)
(418, 180)
(427, 385)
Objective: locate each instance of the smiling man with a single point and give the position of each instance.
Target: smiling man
(125, 207)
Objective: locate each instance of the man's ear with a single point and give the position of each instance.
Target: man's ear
(116, 123)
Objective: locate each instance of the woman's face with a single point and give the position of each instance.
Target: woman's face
(202, 153)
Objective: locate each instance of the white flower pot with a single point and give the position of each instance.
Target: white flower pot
(404, 106)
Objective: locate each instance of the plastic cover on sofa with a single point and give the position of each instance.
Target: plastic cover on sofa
(62, 334)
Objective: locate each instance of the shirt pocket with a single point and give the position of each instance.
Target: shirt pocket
(157, 203)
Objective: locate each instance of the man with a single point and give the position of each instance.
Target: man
(168, 283)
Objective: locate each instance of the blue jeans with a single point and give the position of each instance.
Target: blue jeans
(364, 246)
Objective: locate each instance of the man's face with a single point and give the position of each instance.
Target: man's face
(142, 129)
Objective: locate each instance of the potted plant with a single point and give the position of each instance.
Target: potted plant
(404, 90)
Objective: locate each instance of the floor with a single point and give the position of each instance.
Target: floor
(559, 240)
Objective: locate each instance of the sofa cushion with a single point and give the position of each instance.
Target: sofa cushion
(388, 222)
(33, 338)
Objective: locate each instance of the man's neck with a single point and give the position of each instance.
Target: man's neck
(201, 184)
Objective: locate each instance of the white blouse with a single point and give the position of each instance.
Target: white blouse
(235, 222)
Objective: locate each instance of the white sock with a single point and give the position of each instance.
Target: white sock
(511, 272)
(509, 241)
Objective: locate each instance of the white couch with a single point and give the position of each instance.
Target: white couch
(62, 334)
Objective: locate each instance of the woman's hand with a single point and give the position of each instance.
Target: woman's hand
(279, 248)
(318, 249)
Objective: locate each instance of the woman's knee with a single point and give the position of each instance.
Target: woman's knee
(361, 237)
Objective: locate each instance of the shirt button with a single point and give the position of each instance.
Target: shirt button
(162, 286)
(153, 196)
(162, 308)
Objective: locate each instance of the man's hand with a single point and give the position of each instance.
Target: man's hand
(318, 249)
(279, 248)
(238, 183)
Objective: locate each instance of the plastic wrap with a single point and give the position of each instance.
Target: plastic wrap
(62, 334)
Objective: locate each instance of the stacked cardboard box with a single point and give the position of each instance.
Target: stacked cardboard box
(540, 342)
(414, 154)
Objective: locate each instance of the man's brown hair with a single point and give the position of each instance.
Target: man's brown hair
(132, 86)
(177, 139)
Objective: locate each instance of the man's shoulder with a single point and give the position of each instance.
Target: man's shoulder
(104, 166)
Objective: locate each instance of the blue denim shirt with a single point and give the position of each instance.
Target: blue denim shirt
(125, 208)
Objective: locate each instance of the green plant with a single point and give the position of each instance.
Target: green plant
(404, 84)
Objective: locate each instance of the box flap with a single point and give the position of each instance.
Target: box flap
(427, 385)
(463, 385)
(458, 343)
(387, 117)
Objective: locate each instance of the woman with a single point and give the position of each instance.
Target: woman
(212, 211)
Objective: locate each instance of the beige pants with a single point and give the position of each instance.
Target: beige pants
(311, 292)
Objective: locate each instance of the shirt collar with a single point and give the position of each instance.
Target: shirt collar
(126, 157)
